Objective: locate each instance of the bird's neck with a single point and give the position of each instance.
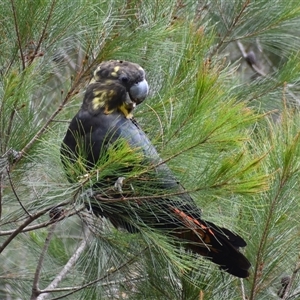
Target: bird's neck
(109, 101)
(127, 109)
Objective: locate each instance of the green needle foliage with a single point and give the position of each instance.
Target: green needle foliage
(223, 112)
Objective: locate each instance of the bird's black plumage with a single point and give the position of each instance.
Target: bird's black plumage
(106, 118)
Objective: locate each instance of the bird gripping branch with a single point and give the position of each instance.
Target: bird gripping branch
(104, 119)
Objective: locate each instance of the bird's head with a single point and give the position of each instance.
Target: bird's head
(116, 85)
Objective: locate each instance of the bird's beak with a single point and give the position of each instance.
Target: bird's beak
(139, 91)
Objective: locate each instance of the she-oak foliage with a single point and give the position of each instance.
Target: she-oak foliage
(222, 112)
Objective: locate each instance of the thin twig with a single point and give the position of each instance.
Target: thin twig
(251, 60)
(9, 127)
(4, 164)
(35, 286)
(291, 281)
(253, 63)
(16, 220)
(45, 126)
(263, 241)
(73, 90)
(284, 283)
(243, 290)
(109, 283)
(99, 195)
(44, 224)
(201, 295)
(229, 30)
(27, 222)
(105, 276)
(294, 296)
(22, 226)
(18, 33)
(237, 18)
(159, 121)
(15, 192)
(1, 192)
(62, 121)
(66, 269)
(43, 32)
(162, 162)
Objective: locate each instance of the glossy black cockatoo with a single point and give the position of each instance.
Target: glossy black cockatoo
(103, 126)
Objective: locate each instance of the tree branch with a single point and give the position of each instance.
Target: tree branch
(35, 285)
(15, 193)
(103, 277)
(44, 293)
(29, 220)
(18, 33)
(243, 289)
(73, 91)
(251, 59)
(291, 281)
(44, 224)
(231, 27)
(44, 32)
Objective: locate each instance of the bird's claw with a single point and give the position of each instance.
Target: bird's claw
(89, 193)
(119, 184)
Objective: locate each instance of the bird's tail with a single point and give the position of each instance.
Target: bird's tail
(218, 244)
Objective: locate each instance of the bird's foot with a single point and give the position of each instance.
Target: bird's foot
(89, 193)
(119, 184)
(86, 196)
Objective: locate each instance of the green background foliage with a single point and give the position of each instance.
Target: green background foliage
(223, 112)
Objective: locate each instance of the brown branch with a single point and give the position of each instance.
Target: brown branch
(99, 196)
(73, 288)
(18, 33)
(43, 32)
(44, 224)
(35, 286)
(237, 18)
(4, 164)
(251, 59)
(66, 269)
(258, 268)
(243, 289)
(9, 127)
(229, 30)
(45, 126)
(15, 192)
(29, 220)
(19, 229)
(291, 281)
(109, 273)
(1, 192)
(163, 161)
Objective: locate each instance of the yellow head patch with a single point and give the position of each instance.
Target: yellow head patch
(114, 73)
(101, 97)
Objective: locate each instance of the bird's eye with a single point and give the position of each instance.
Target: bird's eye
(124, 78)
